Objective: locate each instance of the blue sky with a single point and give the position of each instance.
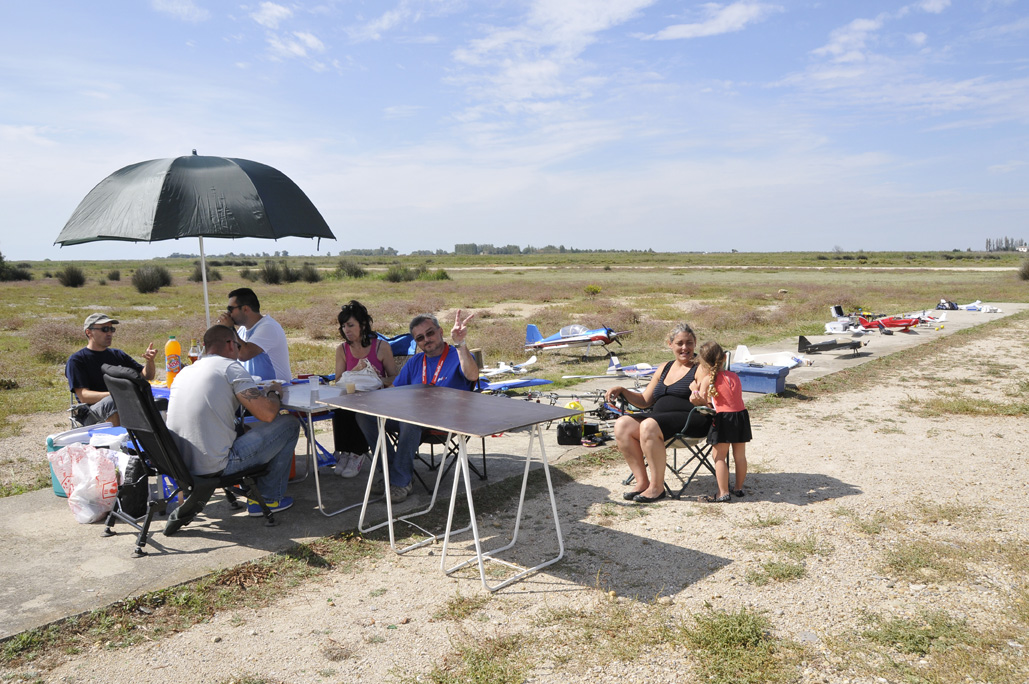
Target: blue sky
(418, 124)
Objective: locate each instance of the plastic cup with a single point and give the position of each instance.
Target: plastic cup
(314, 395)
(314, 380)
(351, 388)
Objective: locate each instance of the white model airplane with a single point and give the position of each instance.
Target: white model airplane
(504, 367)
(788, 359)
(616, 370)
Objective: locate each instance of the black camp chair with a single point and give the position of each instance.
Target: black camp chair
(149, 436)
(692, 438)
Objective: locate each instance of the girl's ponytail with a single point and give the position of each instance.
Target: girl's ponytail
(712, 354)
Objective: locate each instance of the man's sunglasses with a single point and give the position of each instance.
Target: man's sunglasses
(230, 307)
(106, 329)
(429, 334)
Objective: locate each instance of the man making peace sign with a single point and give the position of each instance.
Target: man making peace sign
(436, 363)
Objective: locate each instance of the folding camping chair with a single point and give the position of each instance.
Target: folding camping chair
(697, 446)
(149, 436)
(448, 456)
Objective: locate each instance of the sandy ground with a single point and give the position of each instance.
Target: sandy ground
(818, 466)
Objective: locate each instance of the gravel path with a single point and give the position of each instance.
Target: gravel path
(819, 468)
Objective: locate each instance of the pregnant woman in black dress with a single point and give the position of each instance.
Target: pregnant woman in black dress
(641, 436)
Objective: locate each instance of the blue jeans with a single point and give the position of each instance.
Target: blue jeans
(401, 459)
(272, 443)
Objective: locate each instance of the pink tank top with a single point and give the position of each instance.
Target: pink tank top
(730, 393)
(373, 357)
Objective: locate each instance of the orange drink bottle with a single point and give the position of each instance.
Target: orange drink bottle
(172, 359)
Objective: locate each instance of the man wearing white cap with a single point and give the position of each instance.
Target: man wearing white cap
(85, 377)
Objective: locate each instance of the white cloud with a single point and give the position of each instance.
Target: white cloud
(271, 15)
(401, 111)
(406, 12)
(1007, 167)
(918, 39)
(848, 43)
(186, 10)
(33, 135)
(719, 19)
(934, 6)
(296, 44)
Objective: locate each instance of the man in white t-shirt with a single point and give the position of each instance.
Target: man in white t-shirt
(263, 351)
(202, 411)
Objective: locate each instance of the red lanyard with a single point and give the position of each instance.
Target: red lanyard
(439, 366)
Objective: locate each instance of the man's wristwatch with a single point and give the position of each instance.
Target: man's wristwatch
(277, 393)
(458, 345)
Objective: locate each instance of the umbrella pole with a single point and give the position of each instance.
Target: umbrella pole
(203, 274)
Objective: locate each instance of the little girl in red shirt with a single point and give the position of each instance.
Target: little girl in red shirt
(720, 388)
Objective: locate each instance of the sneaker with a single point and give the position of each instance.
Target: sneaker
(379, 487)
(398, 494)
(352, 466)
(254, 508)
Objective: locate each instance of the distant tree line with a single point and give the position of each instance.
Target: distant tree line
(475, 249)
(1004, 244)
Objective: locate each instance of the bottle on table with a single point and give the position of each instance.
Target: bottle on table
(172, 360)
(194, 351)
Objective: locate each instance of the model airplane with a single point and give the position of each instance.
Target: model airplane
(617, 370)
(572, 336)
(895, 322)
(504, 367)
(805, 346)
(787, 359)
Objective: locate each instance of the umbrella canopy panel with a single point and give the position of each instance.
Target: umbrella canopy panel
(194, 196)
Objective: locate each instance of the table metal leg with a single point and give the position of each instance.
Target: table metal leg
(380, 456)
(314, 466)
(482, 556)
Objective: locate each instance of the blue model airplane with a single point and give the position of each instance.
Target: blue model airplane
(572, 336)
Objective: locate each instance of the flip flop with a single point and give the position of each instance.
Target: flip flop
(714, 499)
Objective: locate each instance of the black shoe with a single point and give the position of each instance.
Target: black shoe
(737, 493)
(629, 496)
(639, 498)
(714, 499)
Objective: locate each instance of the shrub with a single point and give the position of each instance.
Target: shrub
(247, 274)
(197, 277)
(148, 279)
(591, 291)
(1023, 269)
(438, 274)
(310, 274)
(270, 273)
(54, 341)
(289, 274)
(347, 268)
(102, 281)
(71, 276)
(114, 275)
(399, 274)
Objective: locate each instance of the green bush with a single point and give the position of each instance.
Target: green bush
(1023, 269)
(148, 279)
(310, 274)
(114, 275)
(438, 274)
(248, 274)
(270, 273)
(289, 274)
(346, 268)
(399, 274)
(197, 277)
(71, 276)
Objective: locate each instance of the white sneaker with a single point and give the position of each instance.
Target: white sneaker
(353, 465)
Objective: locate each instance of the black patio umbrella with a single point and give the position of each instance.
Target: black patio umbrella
(194, 196)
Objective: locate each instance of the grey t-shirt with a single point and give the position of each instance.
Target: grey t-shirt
(202, 411)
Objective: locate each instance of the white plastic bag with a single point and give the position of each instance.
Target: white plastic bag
(364, 377)
(89, 478)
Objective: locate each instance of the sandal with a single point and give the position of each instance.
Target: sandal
(737, 493)
(714, 499)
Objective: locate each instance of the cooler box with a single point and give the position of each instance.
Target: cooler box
(761, 379)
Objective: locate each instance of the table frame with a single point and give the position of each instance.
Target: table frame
(464, 415)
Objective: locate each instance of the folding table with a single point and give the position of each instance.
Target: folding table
(465, 415)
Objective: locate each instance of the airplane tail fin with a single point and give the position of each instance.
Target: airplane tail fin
(532, 334)
(863, 321)
(614, 366)
(742, 352)
(802, 344)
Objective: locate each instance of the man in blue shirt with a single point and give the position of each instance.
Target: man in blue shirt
(437, 363)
